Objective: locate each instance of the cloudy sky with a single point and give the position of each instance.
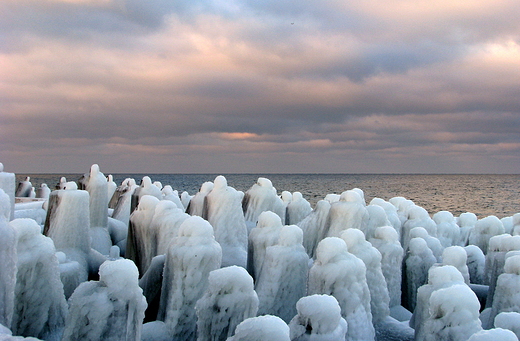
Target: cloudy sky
(229, 86)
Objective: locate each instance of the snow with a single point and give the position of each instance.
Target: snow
(391, 213)
(466, 222)
(282, 279)
(376, 218)
(510, 321)
(318, 318)
(229, 299)
(433, 243)
(261, 328)
(417, 217)
(339, 273)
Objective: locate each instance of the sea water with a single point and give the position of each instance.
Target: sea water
(483, 195)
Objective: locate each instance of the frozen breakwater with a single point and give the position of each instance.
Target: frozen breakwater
(96, 260)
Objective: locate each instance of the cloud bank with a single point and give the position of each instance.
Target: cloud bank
(275, 86)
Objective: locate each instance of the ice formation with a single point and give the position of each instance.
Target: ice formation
(39, 305)
(515, 230)
(24, 188)
(172, 195)
(43, 191)
(402, 205)
(261, 328)
(111, 187)
(484, 229)
(433, 243)
(123, 200)
(379, 297)
(452, 319)
(282, 279)
(476, 261)
(146, 188)
(391, 213)
(417, 217)
(229, 299)
(109, 309)
(507, 292)
(297, 209)
(386, 240)
(140, 243)
(313, 226)
(417, 262)
(265, 234)
(494, 335)
(376, 218)
(510, 321)
(68, 225)
(348, 212)
(8, 184)
(8, 259)
(339, 273)
(262, 197)
(467, 222)
(457, 257)
(448, 232)
(190, 258)
(196, 205)
(223, 210)
(165, 224)
(318, 318)
(438, 277)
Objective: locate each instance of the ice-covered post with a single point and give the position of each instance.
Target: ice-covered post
(190, 258)
(8, 184)
(8, 259)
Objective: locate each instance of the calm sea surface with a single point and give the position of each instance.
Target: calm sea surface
(481, 194)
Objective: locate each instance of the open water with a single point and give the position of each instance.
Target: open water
(483, 195)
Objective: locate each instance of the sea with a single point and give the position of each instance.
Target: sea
(482, 194)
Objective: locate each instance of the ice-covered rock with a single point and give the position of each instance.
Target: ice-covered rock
(261, 328)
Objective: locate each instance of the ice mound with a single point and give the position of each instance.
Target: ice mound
(262, 328)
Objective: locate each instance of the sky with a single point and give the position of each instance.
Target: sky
(272, 86)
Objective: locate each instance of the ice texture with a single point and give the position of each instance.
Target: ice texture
(466, 222)
(507, 292)
(457, 257)
(297, 209)
(452, 319)
(261, 328)
(386, 240)
(262, 197)
(379, 297)
(339, 273)
(123, 200)
(172, 195)
(8, 185)
(417, 262)
(190, 258)
(417, 217)
(376, 218)
(165, 224)
(313, 226)
(39, 306)
(494, 335)
(318, 318)
(448, 232)
(229, 299)
(265, 234)
(348, 212)
(510, 321)
(484, 229)
(223, 210)
(283, 276)
(196, 205)
(109, 309)
(476, 261)
(8, 260)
